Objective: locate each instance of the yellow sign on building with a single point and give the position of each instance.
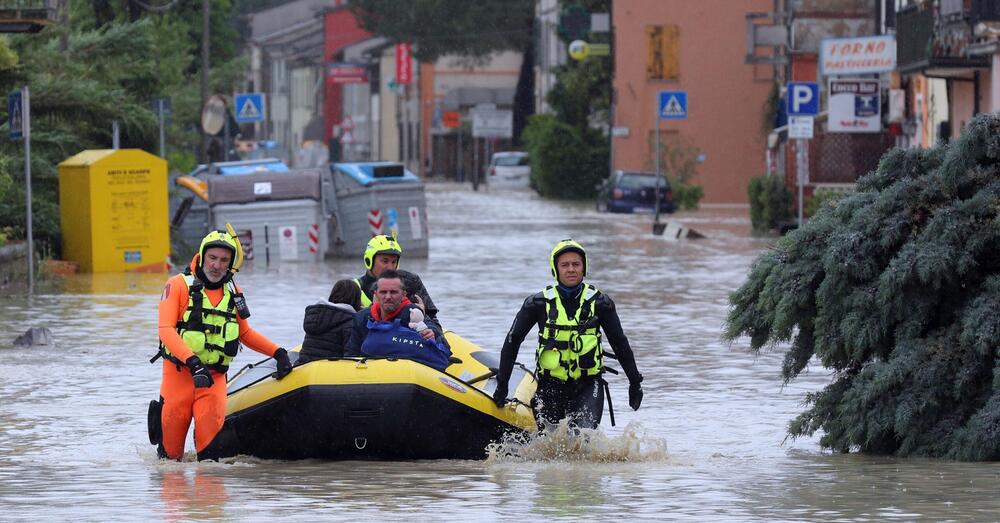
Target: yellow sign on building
(113, 210)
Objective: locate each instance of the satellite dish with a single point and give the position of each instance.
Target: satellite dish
(213, 115)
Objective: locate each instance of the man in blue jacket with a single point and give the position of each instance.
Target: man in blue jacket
(387, 328)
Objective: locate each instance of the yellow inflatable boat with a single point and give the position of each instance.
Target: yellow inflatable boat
(358, 408)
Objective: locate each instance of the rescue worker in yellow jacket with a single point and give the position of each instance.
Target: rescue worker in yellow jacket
(569, 358)
(202, 322)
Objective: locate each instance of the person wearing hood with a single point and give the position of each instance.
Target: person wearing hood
(202, 322)
(328, 323)
(569, 359)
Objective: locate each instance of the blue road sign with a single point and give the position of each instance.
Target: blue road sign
(802, 99)
(673, 105)
(249, 107)
(15, 115)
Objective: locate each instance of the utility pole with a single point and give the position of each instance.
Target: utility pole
(64, 23)
(205, 19)
(406, 125)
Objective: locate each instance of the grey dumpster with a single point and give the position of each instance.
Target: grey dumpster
(277, 215)
(191, 225)
(370, 198)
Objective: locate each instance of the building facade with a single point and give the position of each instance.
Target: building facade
(697, 48)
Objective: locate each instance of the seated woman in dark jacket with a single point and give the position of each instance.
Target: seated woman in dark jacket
(328, 323)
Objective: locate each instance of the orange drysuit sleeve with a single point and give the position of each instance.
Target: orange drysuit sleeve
(173, 303)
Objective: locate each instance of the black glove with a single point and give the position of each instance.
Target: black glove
(635, 395)
(500, 396)
(202, 377)
(284, 365)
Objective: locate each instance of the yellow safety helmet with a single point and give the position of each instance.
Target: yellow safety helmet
(566, 245)
(382, 244)
(224, 240)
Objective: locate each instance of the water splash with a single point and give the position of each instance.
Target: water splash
(570, 444)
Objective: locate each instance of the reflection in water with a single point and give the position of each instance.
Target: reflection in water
(197, 494)
(72, 416)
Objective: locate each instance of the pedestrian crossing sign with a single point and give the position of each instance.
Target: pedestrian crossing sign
(15, 118)
(673, 105)
(249, 107)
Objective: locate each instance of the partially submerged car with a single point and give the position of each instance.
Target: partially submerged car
(633, 191)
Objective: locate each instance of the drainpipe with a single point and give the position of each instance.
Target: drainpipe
(975, 93)
(995, 82)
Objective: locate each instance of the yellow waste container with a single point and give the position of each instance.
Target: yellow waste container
(113, 210)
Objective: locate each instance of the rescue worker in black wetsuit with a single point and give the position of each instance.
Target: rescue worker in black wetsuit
(384, 252)
(569, 358)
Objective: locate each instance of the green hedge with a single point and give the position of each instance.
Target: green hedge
(770, 203)
(563, 163)
(821, 198)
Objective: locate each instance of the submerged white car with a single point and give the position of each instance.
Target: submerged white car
(509, 170)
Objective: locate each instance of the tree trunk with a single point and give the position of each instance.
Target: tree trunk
(524, 95)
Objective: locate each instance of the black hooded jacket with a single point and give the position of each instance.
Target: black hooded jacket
(328, 327)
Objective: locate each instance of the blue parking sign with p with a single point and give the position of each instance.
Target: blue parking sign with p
(802, 99)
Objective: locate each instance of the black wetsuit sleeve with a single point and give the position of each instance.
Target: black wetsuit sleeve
(612, 327)
(523, 321)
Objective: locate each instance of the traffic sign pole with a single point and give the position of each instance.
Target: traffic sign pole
(656, 190)
(801, 169)
(26, 123)
(163, 139)
(802, 100)
(670, 105)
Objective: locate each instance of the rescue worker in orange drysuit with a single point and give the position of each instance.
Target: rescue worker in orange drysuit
(202, 322)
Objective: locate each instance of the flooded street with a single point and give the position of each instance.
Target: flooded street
(73, 441)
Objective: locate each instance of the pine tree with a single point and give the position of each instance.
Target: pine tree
(896, 289)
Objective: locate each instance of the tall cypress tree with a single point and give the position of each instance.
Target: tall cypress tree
(896, 289)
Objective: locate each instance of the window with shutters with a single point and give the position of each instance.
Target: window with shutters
(661, 52)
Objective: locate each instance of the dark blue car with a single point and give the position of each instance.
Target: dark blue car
(628, 192)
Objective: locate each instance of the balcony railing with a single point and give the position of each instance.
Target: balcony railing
(26, 16)
(935, 43)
